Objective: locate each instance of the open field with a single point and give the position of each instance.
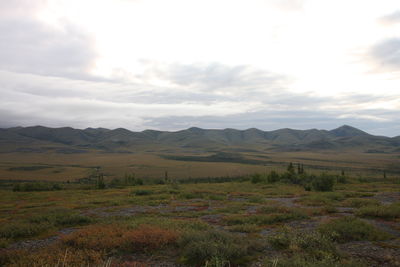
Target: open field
(198, 208)
(64, 167)
(203, 224)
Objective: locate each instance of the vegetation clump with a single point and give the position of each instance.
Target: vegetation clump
(348, 228)
(200, 247)
(312, 245)
(142, 192)
(36, 186)
(388, 212)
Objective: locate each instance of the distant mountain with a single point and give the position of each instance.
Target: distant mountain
(122, 140)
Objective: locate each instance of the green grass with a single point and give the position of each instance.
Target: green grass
(23, 230)
(61, 217)
(348, 228)
(387, 212)
(200, 247)
(312, 245)
(360, 202)
(265, 219)
(231, 233)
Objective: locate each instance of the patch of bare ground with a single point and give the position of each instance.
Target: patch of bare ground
(40, 243)
(377, 254)
(286, 201)
(144, 261)
(387, 198)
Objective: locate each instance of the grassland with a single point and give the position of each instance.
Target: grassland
(203, 224)
(197, 208)
(182, 164)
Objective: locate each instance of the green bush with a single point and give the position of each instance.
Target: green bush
(192, 195)
(385, 212)
(244, 228)
(324, 183)
(360, 202)
(205, 246)
(22, 229)
(36, 186)
(348, 228)
(61, 217)
(257, 178)
(266, 219)
(312, 245)
(304, 261)
(273, 177)
(142, 192)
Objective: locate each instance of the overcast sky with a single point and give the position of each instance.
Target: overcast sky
(170, 65)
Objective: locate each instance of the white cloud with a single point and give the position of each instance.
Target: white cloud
(178, 63)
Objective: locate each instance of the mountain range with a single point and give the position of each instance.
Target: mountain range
(70, 140)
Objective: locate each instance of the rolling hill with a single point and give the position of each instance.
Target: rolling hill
(69, 140)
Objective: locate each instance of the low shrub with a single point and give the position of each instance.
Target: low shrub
(273, 177)
(148, 238)
(4, 242)
(360, 202)
(258, 178)
(142, 192)
(265, 219)
(192, 195)
(245, 228)
(61, 217)
(323, 182)
(53, 256)
(22, 229)
(108, 238)
(348, 228)
(388, 212)
(205, 246)
(36, 186)
(96, 237)
(312, 245)
(303, 261)
(322, 198)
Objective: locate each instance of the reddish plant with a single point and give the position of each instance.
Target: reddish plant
(147, 238)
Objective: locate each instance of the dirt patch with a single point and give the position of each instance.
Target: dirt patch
(288, 202)
(375, 255)
(40, 243)
(212, 218)
(387, 197)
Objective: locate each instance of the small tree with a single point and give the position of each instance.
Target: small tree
(273, 177)
(290, 168)
(100, 182)
(257, 178)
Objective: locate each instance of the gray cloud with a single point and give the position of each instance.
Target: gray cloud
(391, 18)
(31, 46)
(215, 77)
(243, 97)
(29, 99)
(386, 54)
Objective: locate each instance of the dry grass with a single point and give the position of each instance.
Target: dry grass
(149, 164)
(144, 238)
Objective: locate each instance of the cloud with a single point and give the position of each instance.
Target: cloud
(392, 18)
(31, 46)
(215, 77)
(29, 99)
(386, 55)
(289, 5)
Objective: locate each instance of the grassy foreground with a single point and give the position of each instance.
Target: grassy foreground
(203, 224)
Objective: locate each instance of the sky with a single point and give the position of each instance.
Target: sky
(171, 65)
